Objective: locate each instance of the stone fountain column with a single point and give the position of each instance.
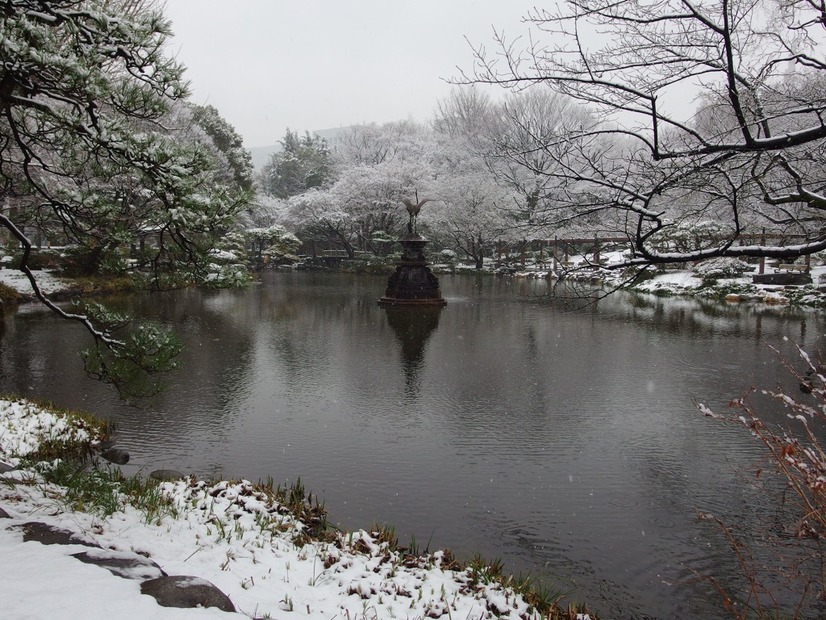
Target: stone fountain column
(412, 284)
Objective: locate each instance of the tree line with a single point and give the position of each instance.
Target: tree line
(348, 195)
(634, 120)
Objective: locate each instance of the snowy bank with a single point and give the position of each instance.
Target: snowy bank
(48, 282)
(723, 279)
(234, 535)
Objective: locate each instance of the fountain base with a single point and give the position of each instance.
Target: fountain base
(412, 284)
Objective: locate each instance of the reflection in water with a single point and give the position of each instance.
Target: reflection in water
(413, 326)
(558, 435)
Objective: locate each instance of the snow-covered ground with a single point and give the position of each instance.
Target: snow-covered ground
(690, 281)
(48, 282)
(228, 533)
(740, 288)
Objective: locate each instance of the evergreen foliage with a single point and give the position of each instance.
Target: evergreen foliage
(302, 164)
(88, 159)
(228, 142)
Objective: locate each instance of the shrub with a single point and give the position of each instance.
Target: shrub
(42, 259)
(8, 295)
(447, 256)
(785, 578)
(722, 268)
(80, 261)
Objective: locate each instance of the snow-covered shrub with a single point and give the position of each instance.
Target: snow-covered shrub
(272, 245)
(227, 276)
(227, 268)
(447, 256)
(382, 236)
(722, 268)
(686, 236)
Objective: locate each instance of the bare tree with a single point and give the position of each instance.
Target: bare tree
(526, 119)
(467, 113)
(709, 111)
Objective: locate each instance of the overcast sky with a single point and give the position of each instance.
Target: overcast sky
(269, 65)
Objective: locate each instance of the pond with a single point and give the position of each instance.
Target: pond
(559, 435)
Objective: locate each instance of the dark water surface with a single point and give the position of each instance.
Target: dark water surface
(560, 438)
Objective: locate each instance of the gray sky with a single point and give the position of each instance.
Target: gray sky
(267, 65)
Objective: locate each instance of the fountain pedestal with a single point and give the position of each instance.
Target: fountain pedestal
(412, 284)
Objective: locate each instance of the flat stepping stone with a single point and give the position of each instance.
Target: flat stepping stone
(122, 563)
(187, 592)
(51, 535)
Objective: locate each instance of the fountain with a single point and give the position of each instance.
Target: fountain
(412, 284)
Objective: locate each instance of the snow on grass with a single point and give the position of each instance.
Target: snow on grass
(232, 534)
(675, 281)
(48, 282)
(25, 427)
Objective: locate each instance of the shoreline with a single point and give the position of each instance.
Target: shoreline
(726, 288)
(267, 550)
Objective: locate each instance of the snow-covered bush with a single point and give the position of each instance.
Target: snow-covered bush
(721, 268)
(447, 256)
(272, 245)
(227, 268)
(227, 276)
(686, 236)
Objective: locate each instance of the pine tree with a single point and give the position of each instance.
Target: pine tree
(302, 164)
(85, 156)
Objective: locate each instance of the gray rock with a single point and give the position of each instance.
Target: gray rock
(183, 591)
(5, 467)
(106, 444)
(122, 563)
(4, 514)
(166, 475)
(51, 535)
(117, 456)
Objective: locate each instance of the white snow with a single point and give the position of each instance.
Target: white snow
(227, 533)
(677, 281)
(48, 282)
(24, 426)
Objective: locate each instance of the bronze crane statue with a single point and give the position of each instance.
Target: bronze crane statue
(413, 209)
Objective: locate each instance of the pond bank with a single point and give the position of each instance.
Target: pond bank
(716, 279)
(235, 535)
(15, 287)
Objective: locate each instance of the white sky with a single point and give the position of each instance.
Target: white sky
(269, 65)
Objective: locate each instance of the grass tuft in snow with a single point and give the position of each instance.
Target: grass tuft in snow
(304, 507)
(39, 431)
(103, 491)
(93, 491)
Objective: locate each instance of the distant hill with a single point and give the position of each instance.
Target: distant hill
(333, 135)
(261, 155)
